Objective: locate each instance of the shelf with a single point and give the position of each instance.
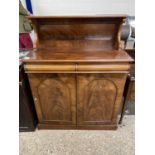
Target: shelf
(77, 55)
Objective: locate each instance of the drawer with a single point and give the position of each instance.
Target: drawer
(73, 67)
(103, 67)
(49, 67)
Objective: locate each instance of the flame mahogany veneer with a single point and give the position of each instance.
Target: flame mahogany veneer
(77, 71)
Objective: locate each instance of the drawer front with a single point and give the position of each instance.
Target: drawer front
(49, 67)
(103, 67)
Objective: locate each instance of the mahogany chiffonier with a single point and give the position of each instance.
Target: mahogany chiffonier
(77, 71)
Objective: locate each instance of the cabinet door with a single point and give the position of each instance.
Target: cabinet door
(54, 97)
(99, 98)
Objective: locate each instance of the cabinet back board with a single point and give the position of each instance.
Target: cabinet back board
(57, 31)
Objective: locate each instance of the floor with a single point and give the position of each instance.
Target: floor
(80, 142)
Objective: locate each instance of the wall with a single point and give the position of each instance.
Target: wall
(82, 7)
(23, 3)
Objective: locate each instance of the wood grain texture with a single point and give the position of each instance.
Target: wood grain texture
(54, 96)
(102, 28)
(99, 97)
(104, 33)
(80, 127)
(102, 67)
(81, 54)
(78, 71)
(77, 32)
(110, 16)
(48, 67)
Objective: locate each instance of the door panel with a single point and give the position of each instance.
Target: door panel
(54, 96)
(99, 96)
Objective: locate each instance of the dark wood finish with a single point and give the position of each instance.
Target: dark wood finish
(129, 94)
(54, 96)
(105, 29)
(78, 71)
(47, 67)
(76, 17)
(27, 113)
(86, 127)
(129, 91)
(80, 54)
(99, 96)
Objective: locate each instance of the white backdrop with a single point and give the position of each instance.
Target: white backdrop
(82, 7)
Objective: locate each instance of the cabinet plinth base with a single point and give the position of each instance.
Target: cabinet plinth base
(73, 127)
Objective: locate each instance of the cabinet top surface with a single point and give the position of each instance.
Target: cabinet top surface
(77, 55)
(84, 16)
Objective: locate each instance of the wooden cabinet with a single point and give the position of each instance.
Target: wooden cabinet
(77, 71)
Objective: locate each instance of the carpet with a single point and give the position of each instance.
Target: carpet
(80, 142)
